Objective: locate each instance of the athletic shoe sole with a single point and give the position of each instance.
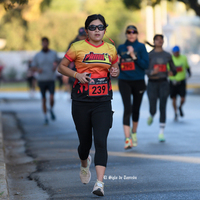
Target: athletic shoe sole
(98, 192)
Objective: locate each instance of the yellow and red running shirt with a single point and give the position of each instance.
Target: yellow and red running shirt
(96, 61)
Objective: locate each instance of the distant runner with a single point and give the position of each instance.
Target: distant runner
(160, 67)
(178, 82)
(45, 63)
(134, 60)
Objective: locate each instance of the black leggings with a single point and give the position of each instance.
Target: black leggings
(158, 90)
(96, 116)
(128, 88)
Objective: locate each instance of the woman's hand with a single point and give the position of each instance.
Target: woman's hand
(155, 71)
(114, 70)
(130, 49)
(83, 77)
(131, 52)
(170, 73)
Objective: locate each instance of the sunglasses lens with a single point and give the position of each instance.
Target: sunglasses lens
(129, 32)
(93, 27)
(101, 27)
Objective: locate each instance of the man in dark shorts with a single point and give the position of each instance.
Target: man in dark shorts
(45, 63)
(178, 82)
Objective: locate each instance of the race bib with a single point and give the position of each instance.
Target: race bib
(127, 66)
(98, 87)
(179, 69)
(162, 67)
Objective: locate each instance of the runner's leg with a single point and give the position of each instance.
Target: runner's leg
(163, 95)
(152, 92)
(137, 90)
(125, 91)
(82, 119)
(101, 122)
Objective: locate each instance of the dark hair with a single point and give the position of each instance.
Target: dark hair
(157, 35)
(45, 39)
(95, 17)
(154, 38)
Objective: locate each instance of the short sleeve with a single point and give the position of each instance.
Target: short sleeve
(115, 56)
(34, 62)
(71, 53)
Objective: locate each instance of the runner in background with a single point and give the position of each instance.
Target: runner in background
(69, 81)
(95, 60)
(45, 63)
(134, 61)
(160, 67)
(178, 82)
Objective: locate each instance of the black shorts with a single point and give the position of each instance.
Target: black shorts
(30, 81)
(178, 89)
(46, 85)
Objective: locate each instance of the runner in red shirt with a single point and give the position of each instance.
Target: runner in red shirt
(95, 61)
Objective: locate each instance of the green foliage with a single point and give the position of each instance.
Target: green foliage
(60, 21)
(130, 4)
(14, 1)
(45, 5)
(10, 4)
(193, 4)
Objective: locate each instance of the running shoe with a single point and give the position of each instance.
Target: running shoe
(85, 173)
(181, 111)
(176, 117)
(98, 188)
(134, 139)
(128, 143)
(161, 137)
(53, 117)
(150, 120)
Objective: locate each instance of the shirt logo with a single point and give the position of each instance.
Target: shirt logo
(92, 57)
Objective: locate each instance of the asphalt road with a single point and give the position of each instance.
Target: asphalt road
(42, 161)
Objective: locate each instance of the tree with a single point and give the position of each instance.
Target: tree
(193, 4)
(8, 4)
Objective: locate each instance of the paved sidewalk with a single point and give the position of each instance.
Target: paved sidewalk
(3, 181)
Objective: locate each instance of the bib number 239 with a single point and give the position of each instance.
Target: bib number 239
(98, 87)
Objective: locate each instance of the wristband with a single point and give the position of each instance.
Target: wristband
(75, 74)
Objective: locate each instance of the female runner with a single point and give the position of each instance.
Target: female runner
(134, 61)
(160, 67)
(95, 61)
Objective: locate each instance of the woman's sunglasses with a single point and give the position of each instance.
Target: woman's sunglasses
(133, 32)
(93, 27)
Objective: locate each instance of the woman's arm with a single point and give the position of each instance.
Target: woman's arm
(65, 70)
(172, 71)
(142, 58)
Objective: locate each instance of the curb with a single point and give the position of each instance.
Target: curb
(3, 177)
